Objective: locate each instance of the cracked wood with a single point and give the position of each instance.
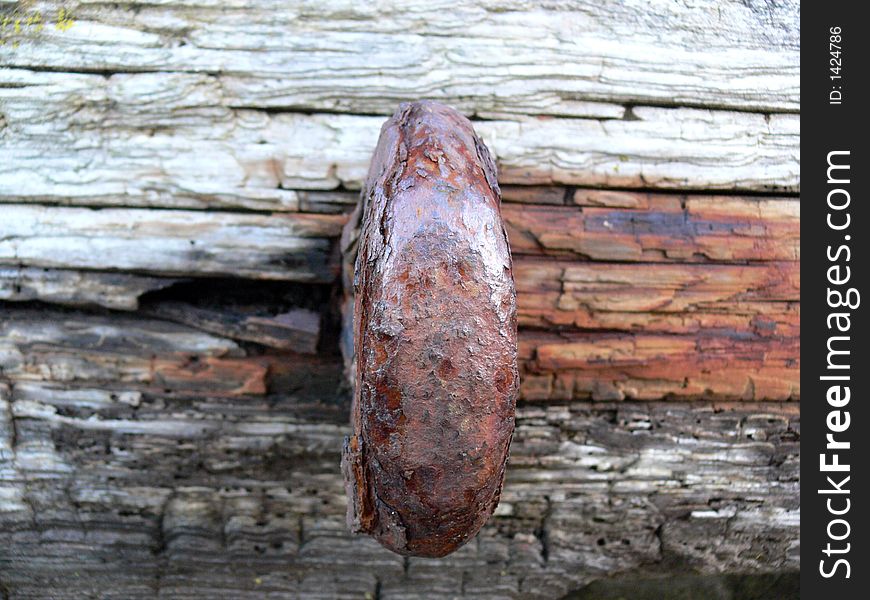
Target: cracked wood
(146, 458)
(162, 485)
(187, 148)
(494, 57)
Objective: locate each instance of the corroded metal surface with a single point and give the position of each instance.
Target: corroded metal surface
(435, 367)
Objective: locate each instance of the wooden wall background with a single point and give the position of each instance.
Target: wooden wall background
(174, 175)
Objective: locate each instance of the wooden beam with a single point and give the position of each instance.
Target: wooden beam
(190, 449)
(660, 227)
(728, 365)
(758, 299)
(502, 56)
(294, 247)
(119, 291)
(92, 142)
(144, 493)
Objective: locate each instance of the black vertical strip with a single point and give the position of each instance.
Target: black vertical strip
(835, 226)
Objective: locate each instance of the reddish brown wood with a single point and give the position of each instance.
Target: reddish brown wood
(633, 227)
(608, 366)
(759, 299)
(435, 338)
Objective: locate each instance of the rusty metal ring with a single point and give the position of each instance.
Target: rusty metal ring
(434, 366)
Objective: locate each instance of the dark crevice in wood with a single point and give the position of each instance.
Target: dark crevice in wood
(543, 533)
(295, 316)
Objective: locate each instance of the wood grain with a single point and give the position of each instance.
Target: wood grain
(757, 299)
(172, 242)
(728, 365)
(156, 443)
(181, 146)
(142, 494)
(499, 56)
(119, 291)
(659, 227)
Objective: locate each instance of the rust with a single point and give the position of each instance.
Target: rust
(435, 340)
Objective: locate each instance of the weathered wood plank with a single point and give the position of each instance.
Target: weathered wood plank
(92, 142)
(259, 246)
(758, 299)
(172, 242)
(296, 329)
(748, 364)
(65, 347)
(693, 229)
(495, 57)
(124, 494)
(658, 227)
(119, 291)
(728, 365)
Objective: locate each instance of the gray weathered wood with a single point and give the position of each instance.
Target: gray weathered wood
(172, 242)
(88, 140)
(132, 494)
(119, 291)
(295, 329)
(498, 56)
